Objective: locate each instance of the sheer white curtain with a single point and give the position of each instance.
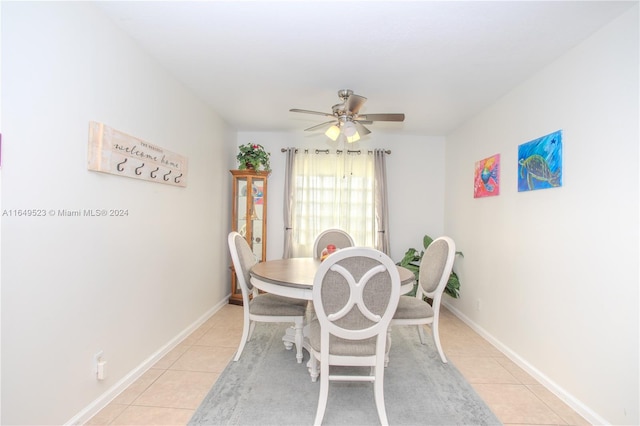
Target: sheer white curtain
(332, 190)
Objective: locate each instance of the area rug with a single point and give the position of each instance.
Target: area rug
(267, 387)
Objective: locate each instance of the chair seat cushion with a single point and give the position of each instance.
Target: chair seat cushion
(411, 307)
(273, 305)
(338, 346)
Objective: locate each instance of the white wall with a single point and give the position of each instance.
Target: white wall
(415, 170)
(74, 285)
(556, 270)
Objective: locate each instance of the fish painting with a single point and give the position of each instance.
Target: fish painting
(540, 163)
(489, 173)
(487, 177)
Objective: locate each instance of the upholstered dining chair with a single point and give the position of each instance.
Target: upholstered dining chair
(435, 268)
(337, 237)
(263, 307)
(355, 293)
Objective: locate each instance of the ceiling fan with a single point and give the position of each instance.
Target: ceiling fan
(346, 119)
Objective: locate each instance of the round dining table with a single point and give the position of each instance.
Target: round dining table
(294, 277)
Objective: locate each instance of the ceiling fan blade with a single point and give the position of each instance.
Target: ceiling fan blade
(382, 117)
(304, 111)
(361, 129)
(318, 126)
(355, 102)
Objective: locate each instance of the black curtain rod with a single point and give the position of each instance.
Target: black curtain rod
(326, 151)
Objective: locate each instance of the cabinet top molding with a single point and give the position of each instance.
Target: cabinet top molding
(262, 173)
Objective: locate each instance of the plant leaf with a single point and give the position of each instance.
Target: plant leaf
(426, 241)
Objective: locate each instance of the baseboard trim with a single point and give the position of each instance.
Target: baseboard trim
(103, 400)
(545, 381)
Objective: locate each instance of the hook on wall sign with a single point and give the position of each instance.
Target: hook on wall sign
(166, 179)
(138, 172)
(153, 172)
(176, 179)
(120, 166)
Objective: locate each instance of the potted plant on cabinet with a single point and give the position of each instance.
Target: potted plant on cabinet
(411, 261)
(253, 156)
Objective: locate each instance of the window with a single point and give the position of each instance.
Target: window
(332, 190)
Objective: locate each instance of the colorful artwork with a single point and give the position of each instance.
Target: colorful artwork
(540, 163)
(486, 177)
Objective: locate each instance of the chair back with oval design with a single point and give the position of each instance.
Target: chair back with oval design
(355, 294)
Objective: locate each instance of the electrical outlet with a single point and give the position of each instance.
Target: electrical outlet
(98, 365)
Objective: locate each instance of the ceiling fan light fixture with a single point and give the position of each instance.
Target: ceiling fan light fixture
(349, 129)
(350, 132)
(354, 138)
(333, 132)
(347, 115)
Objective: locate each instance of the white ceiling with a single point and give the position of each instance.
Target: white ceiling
(439, 62)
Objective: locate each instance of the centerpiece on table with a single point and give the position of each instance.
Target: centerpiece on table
(253, 156)
(330, 249)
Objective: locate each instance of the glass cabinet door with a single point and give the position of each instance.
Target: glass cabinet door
(256, 214)
(241, 206)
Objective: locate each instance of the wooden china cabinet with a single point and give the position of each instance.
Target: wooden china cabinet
(249, 217)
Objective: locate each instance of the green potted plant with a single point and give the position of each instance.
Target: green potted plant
(411, 261)
(253, 156)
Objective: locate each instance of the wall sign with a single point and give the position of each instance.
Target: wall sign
(115, 152)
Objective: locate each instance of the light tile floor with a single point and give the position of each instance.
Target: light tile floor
(170, 392)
